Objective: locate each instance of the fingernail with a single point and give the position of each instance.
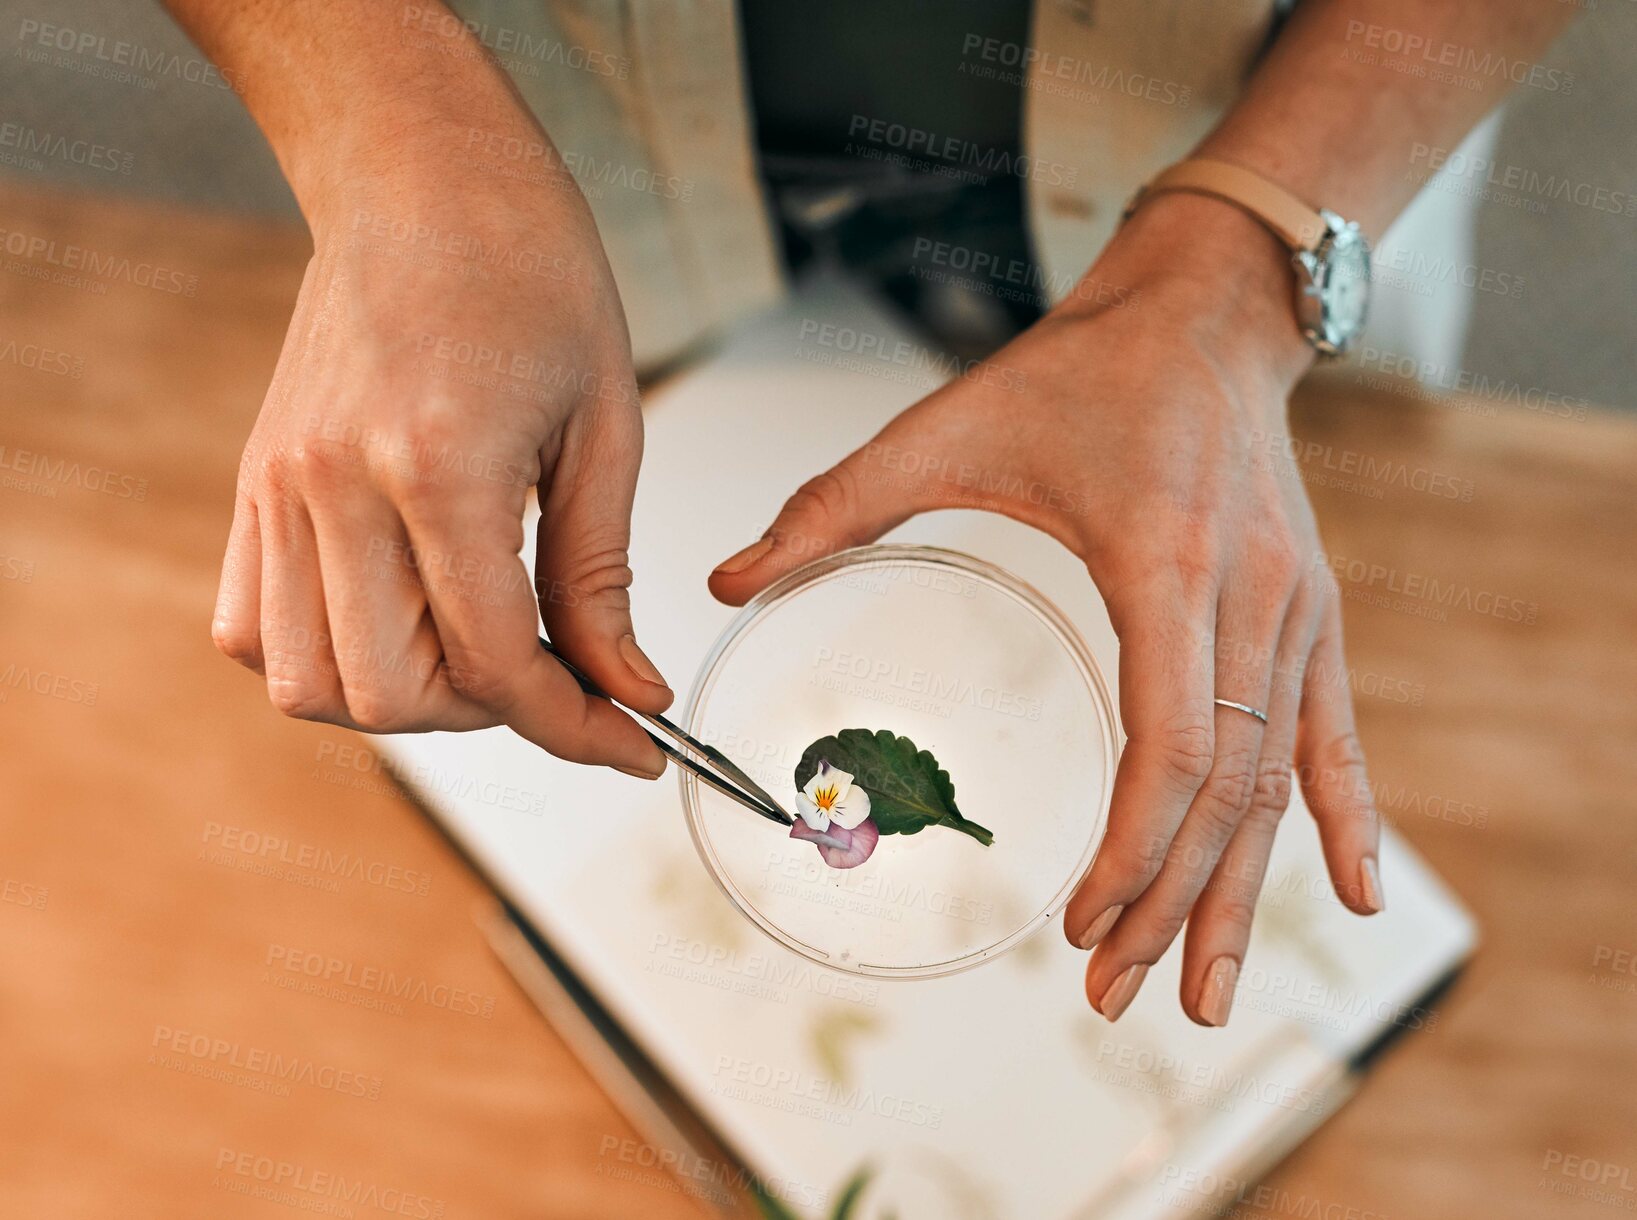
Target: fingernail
(735, 564)
(1100, 926)
(636, 774)
(1216, 998)
(639, 663)
(1122, 991)
(1369, 884)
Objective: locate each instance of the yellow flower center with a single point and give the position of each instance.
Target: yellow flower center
(825, 798)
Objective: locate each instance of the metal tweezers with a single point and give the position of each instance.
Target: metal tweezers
(716, 770)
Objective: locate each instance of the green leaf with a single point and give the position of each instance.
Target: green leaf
(850, 1195)
(770, 1207)
(908, 790)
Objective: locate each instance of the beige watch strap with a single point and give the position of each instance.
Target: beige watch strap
(1291, 220)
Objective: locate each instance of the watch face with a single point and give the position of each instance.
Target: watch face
(1345, 291)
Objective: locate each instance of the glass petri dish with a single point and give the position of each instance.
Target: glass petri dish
(965, 660)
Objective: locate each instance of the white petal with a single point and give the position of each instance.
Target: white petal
(811, 813)
(828, 777)
(840, 778)
(852, 810)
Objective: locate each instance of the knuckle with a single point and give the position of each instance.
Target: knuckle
(1155, 585)
(417, 459)
(1186, 752)
(1333, 794)
(300, 699)
(418, 478)
(1160, 927)
(1278, 559)
(1343, 753)
(1186, 509)
(1273, 785)
(313, 466)
(605, 428)
(829, 496)
(478, 677)
(1226, 793)
(1236, 903)
(602, 579)
(1194, 563)
(1231, 893)
(1167, 927)
(438, 457)
(1148, 944)
(1153, 924)
(1140, 856)
(374, 711)
(1147, 856)
(267, 469)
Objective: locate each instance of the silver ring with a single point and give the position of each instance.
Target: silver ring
(1242, 707)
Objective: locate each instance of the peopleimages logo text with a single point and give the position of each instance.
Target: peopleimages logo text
(290, 1181)
(1442, 53)
(87, 44)
(1502, 176)
(323, 968)
(89, 153)
(954, 150)
(38, 248)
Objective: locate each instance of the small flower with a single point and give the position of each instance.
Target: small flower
(830, 796)
(835, 818)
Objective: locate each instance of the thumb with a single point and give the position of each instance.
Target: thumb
(582, 561)
(851, 504)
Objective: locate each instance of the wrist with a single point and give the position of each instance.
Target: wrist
(465, 153)
(434, 124)
(496, 179)
(1222, 278)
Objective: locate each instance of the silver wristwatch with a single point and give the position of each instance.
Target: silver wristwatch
(1330, 255)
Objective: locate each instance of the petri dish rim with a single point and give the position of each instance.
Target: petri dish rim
(865, 558)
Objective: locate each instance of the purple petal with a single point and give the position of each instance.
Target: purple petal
(840, 848)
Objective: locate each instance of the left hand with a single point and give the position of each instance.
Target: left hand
(1148, 438)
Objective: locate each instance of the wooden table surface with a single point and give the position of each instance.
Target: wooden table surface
(153, 1064)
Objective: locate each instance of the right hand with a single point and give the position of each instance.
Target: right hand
(372, 572)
